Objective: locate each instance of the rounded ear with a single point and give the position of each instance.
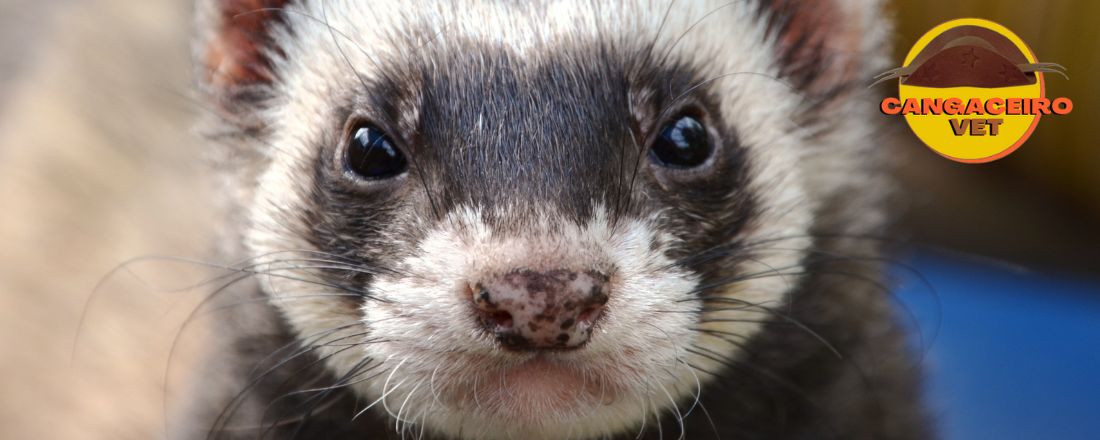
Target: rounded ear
(825, 47)
(235, 49)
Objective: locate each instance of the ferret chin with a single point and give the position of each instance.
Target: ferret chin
(548, 220)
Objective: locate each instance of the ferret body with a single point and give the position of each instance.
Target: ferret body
(550, 220)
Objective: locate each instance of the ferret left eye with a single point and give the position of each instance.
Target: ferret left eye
(683, 143)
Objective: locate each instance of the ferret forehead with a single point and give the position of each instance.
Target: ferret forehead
(526, 27)
(330, 45)
(498, 129)
(519, 25)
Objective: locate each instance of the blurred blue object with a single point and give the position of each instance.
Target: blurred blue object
(1009, 354)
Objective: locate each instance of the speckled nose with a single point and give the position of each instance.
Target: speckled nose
(528, 310)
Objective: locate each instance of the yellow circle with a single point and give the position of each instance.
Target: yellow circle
(975, 144)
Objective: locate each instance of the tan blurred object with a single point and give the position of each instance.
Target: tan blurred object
(97, 165)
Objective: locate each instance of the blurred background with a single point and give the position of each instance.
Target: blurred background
(1007, 294)
(1000, 281)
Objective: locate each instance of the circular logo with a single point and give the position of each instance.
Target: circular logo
(972, 90)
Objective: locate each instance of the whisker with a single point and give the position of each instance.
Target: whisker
(385, 393)
(231, 407)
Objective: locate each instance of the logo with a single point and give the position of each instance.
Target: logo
(972, 90)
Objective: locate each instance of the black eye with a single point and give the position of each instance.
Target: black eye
(682, 143)
(373, 155)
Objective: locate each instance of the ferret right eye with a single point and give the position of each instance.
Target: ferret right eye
(682, 143)
(371, 154)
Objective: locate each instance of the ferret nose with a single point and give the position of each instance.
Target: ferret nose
(529, 310)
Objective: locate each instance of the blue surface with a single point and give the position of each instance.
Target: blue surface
(1010, 354)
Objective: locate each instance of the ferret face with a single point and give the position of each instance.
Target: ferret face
(552, 220)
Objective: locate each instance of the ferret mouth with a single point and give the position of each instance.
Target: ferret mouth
(534, 387)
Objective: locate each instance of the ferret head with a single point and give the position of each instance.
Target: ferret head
(537, 219)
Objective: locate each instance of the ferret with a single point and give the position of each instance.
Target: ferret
(550, 220)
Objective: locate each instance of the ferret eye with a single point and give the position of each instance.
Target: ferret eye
(683, 143)
(372, 154)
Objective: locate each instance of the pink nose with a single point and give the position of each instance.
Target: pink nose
(528, 310)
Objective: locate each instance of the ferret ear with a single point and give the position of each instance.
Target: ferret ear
(235, 46)
(825, 47)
